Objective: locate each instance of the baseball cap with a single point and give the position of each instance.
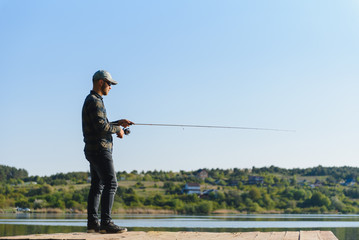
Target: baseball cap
(102, 74)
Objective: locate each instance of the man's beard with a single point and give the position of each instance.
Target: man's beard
(103, 90)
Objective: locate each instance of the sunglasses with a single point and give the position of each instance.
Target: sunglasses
(108, 83)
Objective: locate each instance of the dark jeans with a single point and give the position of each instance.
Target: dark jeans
(103, 185)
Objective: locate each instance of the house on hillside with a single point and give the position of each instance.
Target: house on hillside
(192, 188)
(202, 174)
(255, 180)
(348, 182)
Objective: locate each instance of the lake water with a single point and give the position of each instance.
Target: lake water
(343, 226)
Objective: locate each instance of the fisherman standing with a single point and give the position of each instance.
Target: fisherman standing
(97, 132)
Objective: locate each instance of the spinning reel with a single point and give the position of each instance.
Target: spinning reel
(127, 131)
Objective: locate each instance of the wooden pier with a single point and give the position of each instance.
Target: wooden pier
(156, 235)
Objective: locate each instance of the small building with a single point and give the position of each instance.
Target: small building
(348, 182)
(192, 188)
(19, 209)
(202, 174)
(255, 180)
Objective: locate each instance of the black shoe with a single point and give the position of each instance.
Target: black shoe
(110, 227)
(93, 227)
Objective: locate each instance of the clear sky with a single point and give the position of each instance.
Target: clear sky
(252, 63)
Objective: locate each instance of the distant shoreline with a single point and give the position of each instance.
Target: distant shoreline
(148, 211)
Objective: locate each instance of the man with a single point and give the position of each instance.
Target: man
(97, 131)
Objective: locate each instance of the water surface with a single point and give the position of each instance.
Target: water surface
(343, 226)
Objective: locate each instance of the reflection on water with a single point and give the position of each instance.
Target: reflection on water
(13, 230)
(343, 226)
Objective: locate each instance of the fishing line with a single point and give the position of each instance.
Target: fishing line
(127, 130)
(211, 126)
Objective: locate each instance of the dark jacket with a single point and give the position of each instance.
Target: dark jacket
(96, 128)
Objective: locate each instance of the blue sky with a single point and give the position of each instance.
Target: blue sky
(271, 64)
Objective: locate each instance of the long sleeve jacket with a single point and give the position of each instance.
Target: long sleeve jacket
(96, 128)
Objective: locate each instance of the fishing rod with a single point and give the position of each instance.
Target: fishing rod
(128, 131)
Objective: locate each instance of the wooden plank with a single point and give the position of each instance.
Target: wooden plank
(291, 235)
(263, 236)
(158, 235)
(277, 236)
(309, 235)
(327, 235)
(248, 235)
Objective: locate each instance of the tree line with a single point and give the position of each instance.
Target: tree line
(312, 190)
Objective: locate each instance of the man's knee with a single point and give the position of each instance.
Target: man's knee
(96, 188)
(111, 183)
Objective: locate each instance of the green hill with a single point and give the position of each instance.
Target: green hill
(257, 190)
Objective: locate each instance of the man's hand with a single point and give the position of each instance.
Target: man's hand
(120, 133)
(125, 123)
